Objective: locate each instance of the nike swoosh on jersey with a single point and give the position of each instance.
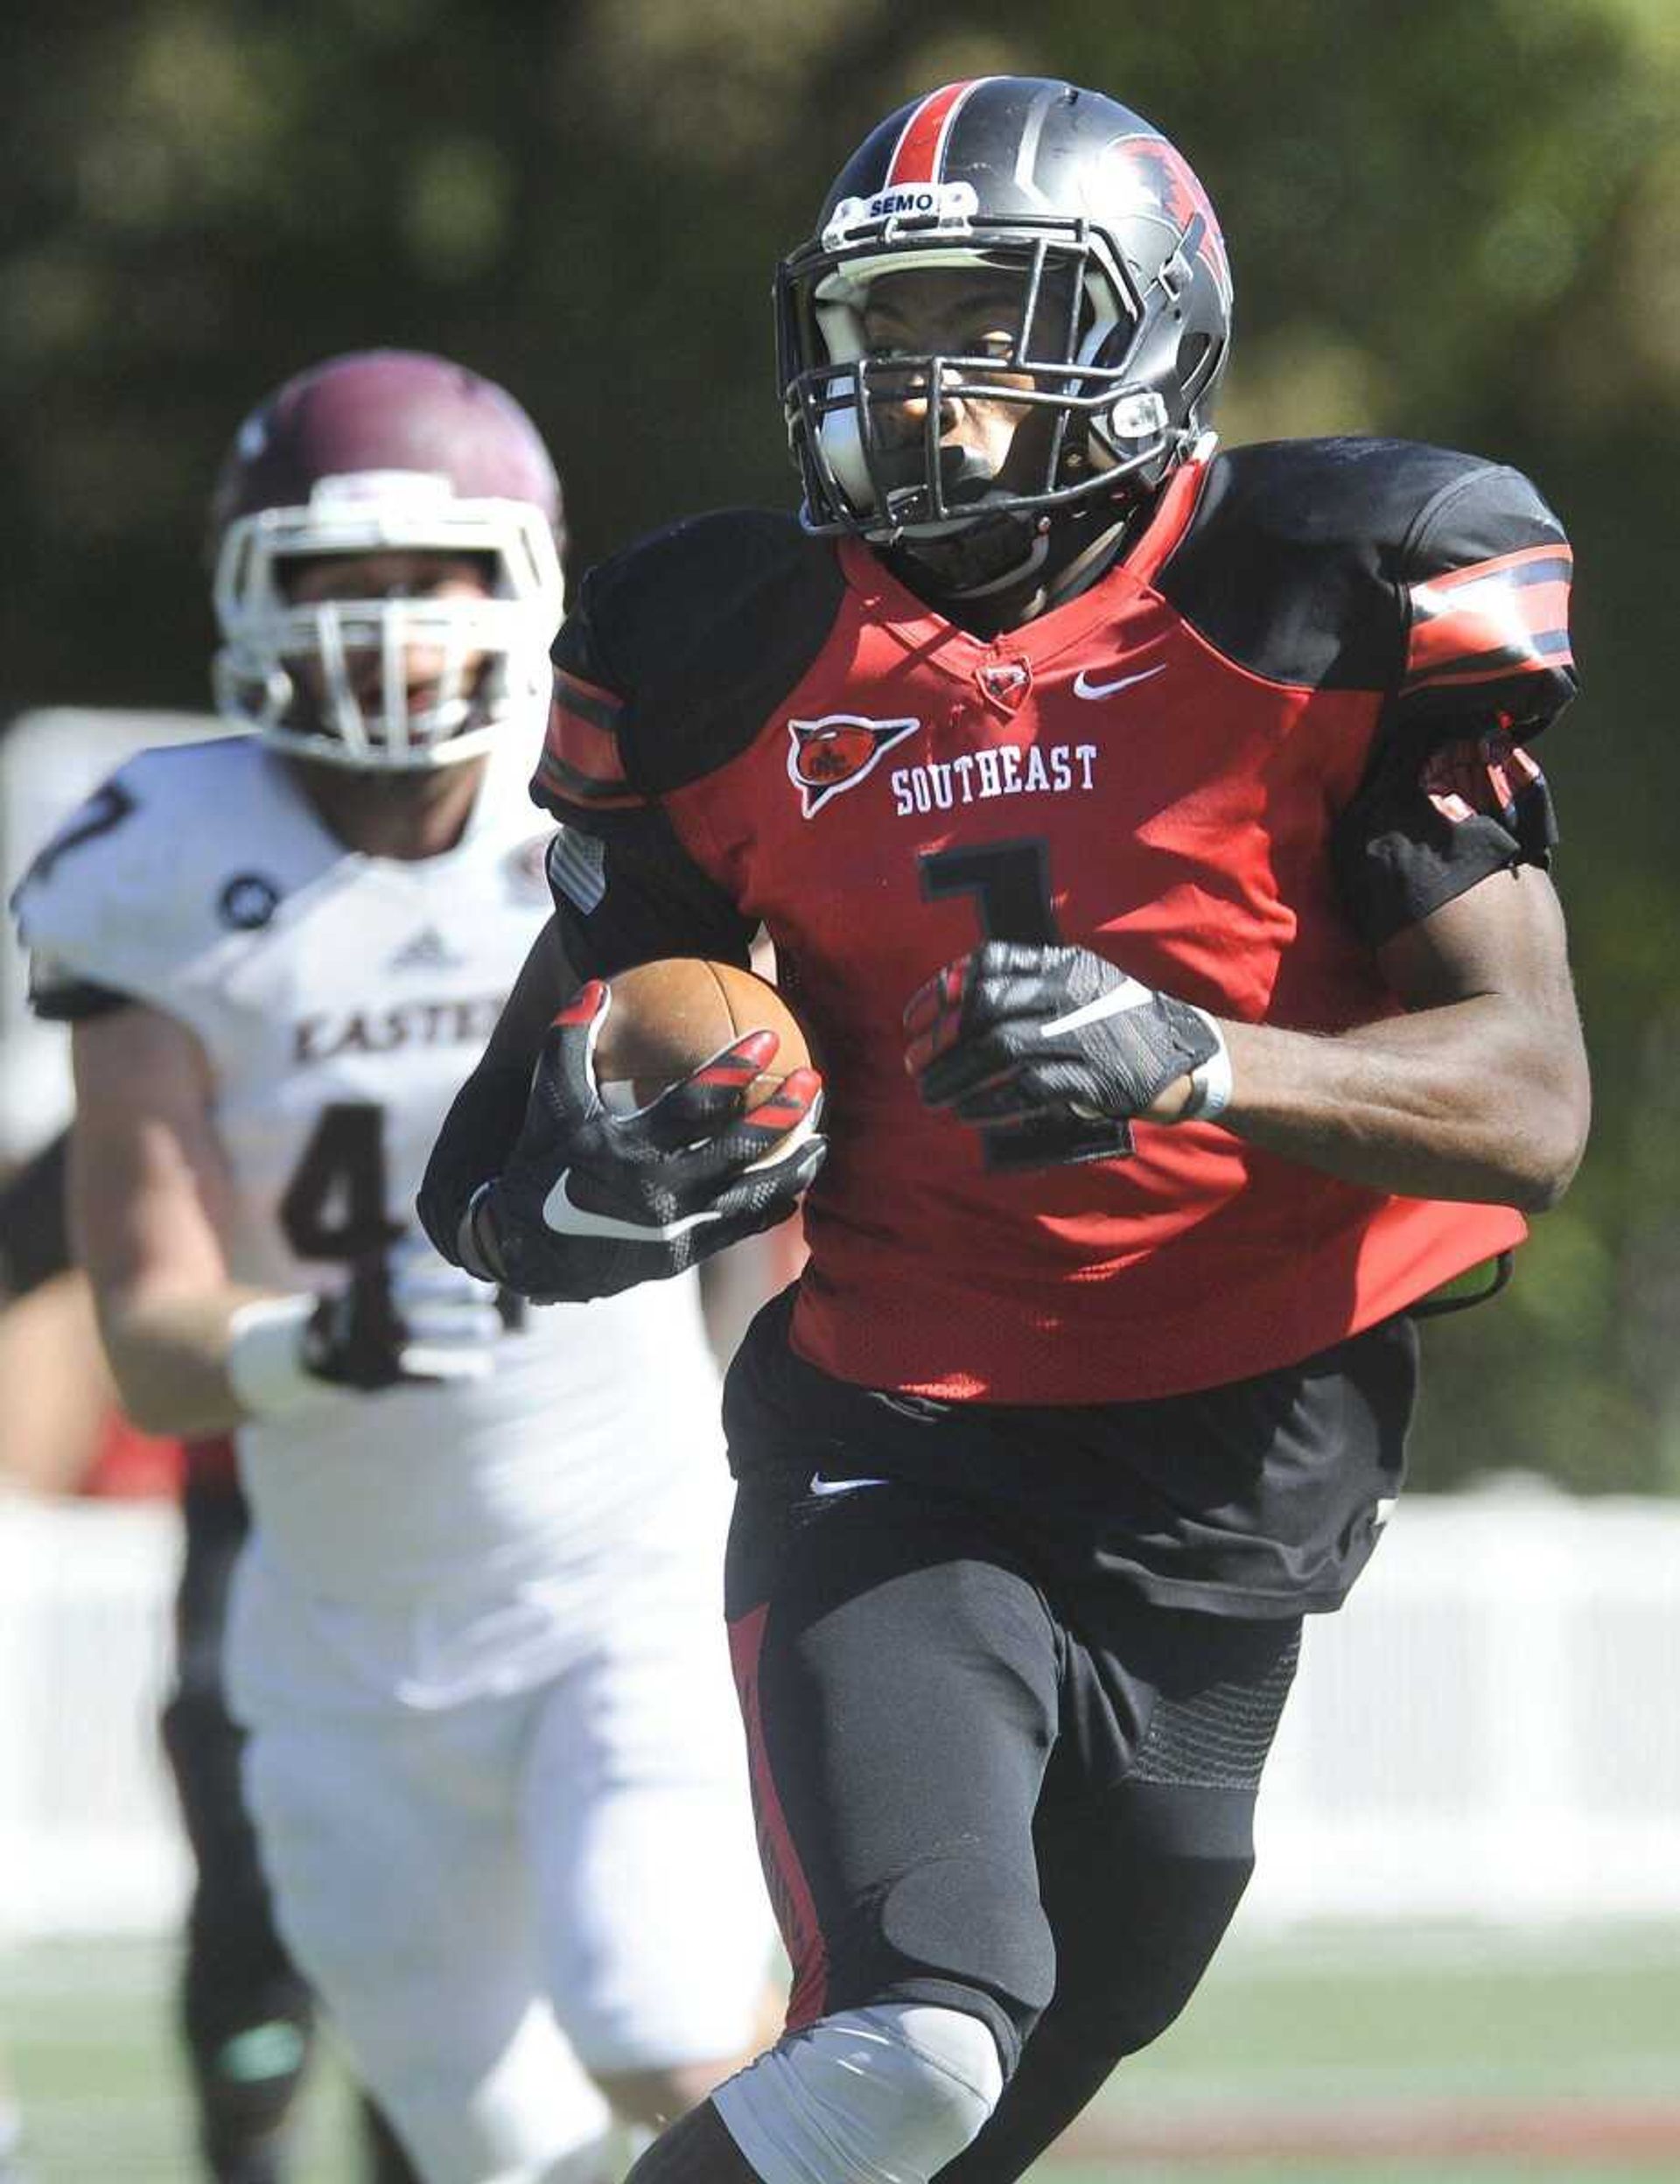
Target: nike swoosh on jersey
(1083, 687)
(821, 1486)
(567, 1218)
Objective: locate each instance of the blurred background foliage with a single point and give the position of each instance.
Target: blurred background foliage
(1456, 223)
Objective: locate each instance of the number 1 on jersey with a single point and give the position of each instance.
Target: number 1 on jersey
(1010, 882)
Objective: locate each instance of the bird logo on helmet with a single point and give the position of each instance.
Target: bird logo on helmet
(1068, 192)
(390, 453)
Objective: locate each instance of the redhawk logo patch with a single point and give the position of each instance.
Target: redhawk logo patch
(828, 756)
(1004, 683)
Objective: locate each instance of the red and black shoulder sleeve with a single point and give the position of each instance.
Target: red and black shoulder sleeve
(1482, 663)
(676, 653)
(1436, 585)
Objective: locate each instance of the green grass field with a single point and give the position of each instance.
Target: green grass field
(1358, 2057)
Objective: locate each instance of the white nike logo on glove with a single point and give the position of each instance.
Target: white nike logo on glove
(567, 1218)
(1131, 993)
(819, 1485)
(1083, 687)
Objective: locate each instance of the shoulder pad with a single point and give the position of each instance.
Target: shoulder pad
(159, 864)
(1302, 558)
(676, 653)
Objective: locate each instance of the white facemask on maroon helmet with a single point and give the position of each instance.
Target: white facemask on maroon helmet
(386, 451)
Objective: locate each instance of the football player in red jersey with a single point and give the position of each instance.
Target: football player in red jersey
(1151, 844)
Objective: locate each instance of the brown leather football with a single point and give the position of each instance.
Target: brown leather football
(668, 1017)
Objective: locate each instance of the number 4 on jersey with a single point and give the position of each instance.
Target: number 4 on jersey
(334, 1205)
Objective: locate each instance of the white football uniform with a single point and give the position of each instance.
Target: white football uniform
(477, 1636)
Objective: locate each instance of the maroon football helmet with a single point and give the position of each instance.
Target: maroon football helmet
(385, 451)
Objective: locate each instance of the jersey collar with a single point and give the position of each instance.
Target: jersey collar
(921, 628)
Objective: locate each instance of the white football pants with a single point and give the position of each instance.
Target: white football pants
(488, 1893)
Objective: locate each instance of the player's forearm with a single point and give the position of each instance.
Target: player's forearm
(485, 1115)
(170, 1355)
(1470, 1101)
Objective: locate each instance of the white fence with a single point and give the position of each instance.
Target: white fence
(88, 1839)
(1491, 1728)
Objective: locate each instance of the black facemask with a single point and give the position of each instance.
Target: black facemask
(999, 571)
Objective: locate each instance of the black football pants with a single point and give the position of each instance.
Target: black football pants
(984, 1782)
(247, 2015)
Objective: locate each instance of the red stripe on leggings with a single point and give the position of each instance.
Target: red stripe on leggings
(790, 1892)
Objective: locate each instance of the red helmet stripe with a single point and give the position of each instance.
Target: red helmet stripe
(922, 146)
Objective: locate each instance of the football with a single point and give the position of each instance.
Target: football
(668, 1017)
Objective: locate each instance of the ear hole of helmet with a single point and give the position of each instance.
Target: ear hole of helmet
(1107, 323)
(1196, 360)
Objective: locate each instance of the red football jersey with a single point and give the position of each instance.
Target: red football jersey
(1227, 767)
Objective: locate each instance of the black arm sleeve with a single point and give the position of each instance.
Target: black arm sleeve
(637, 895)
(628, 897)
(471, 1148)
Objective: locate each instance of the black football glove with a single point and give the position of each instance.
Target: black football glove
(591, 1203)
(1054, 1043)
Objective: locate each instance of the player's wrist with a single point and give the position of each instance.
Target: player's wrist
(1210, 1080)
(265, 1362)
(477, 1246)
